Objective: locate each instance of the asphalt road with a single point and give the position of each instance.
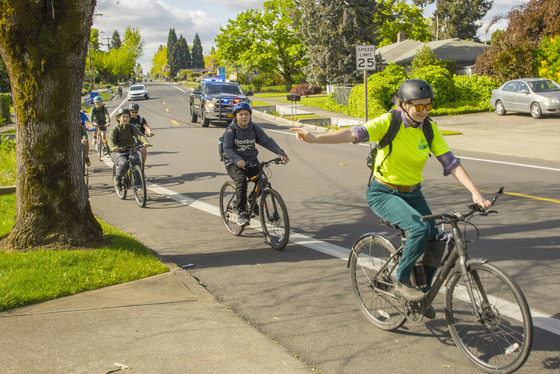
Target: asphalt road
(301, 296)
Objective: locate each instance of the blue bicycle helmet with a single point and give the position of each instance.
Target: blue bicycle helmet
(97, 99)
(237, 107)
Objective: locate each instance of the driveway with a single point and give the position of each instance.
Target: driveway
(512, 135)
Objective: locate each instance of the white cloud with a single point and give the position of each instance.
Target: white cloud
(154, 19)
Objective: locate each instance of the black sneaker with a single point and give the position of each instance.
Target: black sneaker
(406, 290)
(430, 313)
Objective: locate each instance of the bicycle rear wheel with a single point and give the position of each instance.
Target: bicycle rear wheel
(501, 341)
(274, 219)
(122, 193)
(139, 186)
(228, 211)
(375, 293)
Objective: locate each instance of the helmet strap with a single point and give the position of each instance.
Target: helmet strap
(410, 117)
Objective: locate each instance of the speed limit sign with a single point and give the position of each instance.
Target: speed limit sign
(365, 57)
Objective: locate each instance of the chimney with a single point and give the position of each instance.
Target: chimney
(401, 36)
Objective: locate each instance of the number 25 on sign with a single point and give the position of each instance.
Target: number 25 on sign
(365, 57)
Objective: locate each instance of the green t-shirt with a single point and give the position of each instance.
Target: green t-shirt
(410, 152)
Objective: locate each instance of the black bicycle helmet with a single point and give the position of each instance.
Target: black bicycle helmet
(415, 89)
(122, 111)
(239, 106)
(133, 106)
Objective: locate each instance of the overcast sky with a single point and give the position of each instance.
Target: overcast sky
(154, 18)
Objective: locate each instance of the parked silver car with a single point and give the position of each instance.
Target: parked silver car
(537, 96)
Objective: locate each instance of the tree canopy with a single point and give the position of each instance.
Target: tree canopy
(407, 18)
(514, 53)
(197, 53)
(159, 62)
(265, 40)
(330, 30)
(457, 18)
(117, 64)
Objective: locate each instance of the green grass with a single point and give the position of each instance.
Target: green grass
(44, 274)
(7, 162)
(271, 94)
(32, 277)
(257, 103)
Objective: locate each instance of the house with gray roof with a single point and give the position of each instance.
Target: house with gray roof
(463, 52)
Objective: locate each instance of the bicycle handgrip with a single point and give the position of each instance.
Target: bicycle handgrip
(431, 217)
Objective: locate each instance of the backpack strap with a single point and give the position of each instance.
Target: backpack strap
(386, 140)
(428, 130)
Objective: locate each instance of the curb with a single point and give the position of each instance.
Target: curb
(6, 190)
(287, 122)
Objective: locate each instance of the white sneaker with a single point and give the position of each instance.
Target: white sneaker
(242, 219)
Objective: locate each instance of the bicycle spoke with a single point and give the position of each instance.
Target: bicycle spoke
(495, 333)
(372, 281)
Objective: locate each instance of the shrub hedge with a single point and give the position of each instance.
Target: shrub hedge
(454, 94)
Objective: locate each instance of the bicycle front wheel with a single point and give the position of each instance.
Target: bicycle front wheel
(496, 333)
(99, 145)
(228, 211)
(373, 276)
(139, 186)
(120, 193)
(274, 219)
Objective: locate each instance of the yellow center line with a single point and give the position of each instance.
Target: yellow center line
(175, 122)
(167, 110)
(520, 195)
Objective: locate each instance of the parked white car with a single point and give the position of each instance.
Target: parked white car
(537, 96)
(138, 91)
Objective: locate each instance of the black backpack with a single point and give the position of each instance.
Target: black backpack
(221, 143)
(387, 140)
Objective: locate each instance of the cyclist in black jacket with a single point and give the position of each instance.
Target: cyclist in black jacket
(240, 153)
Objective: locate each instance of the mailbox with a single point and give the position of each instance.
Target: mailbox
(293, 97)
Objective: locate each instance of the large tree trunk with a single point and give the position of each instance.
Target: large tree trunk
(44, 45)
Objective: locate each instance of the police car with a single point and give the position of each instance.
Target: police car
(213, 101)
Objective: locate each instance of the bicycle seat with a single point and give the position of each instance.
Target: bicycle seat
(385, 222)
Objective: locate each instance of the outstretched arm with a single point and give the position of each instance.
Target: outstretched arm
(461, 175)
(335, 137)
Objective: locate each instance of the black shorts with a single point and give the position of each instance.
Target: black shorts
(99, 126)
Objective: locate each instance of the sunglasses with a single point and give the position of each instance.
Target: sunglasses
(133, 111)
(420, 107)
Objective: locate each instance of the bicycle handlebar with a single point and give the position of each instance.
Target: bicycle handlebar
(276, 161)
(462, 216)
(137, 147)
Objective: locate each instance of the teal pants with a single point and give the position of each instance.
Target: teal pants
(404, 210)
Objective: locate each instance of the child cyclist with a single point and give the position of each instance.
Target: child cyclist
(240, 154)
(124, 135)
(100, 118)
(141, 124)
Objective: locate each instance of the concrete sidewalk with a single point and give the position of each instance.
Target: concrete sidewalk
(163, 324)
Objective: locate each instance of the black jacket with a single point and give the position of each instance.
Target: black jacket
(239, 144)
